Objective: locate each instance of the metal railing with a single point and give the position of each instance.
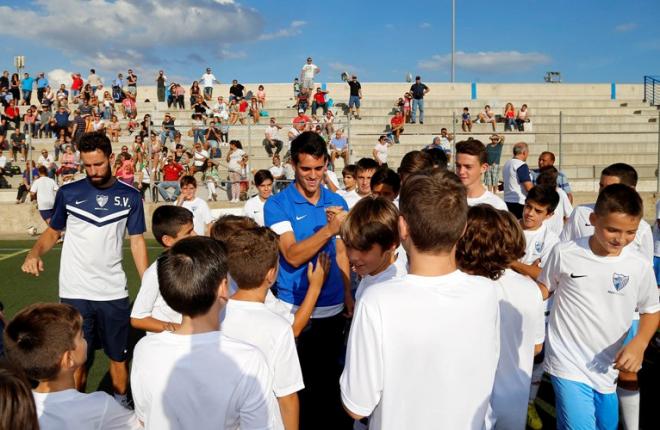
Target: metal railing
(652, 90)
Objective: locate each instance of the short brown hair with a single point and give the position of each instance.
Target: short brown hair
(435, 208)
(492, 240)
(252, 253)
(619, 198)
(188, 180)
(414, 162)
(373, 220)
(38, 336)
(228, 225)
(472, 147)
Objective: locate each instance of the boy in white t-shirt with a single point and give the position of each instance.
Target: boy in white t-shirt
(254, 207)
(492, 240)
(150, 313)
(471, 165)
(548, 177)
(196, 377)
(598, 281)
(349, 193)
(410, 338)
(253, 262)
(45, 189)
(46, 341)
(386, 183)
(188, 199)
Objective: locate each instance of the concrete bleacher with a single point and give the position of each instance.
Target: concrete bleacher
(596, 130)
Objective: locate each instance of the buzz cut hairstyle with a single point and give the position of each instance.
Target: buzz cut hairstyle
(472, 147)
(252, 253)
(262, 175)
(365, 164)
(625, 172)
(434, 206)
(190, 273)
(188, 180)
(544, 195)
(309, 143)
(349, 170)
(168, 220)
(37, 337)
(492, 240)
(386, 176)
(372, 221)
(228, 225)
(90, 142)
(619, 198)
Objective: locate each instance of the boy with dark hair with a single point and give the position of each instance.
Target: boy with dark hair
(254, 207)
(188, 199)
(253, 257)
(150, 313)
(366, 167)
(196, 377)
(349, 193)
(548, 177)
(418, 312)
(46, 341)
(386, 183)
(598, 282)
(471, 164)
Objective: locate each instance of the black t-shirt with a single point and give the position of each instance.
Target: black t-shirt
(417, 90)
(355, 88)
(132, 80)
(237, 90)
(4, 82)
(161, 80)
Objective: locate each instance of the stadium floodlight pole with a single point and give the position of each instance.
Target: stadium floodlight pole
(453, 38)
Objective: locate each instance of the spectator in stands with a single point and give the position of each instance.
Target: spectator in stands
(407, 106)
(522, 118)
(418, 91)
(108, 106)
(168, 130)
(466, 120)
(355, 96)
(279, 175)
(46, 160)
(509, 117)
(307, 73)
(396, 126)
(338, 148)
(195, 93)
(62, 97)
(172, 171)
(114, 127)
(319, 101)
(24, 188)
(488, 116)
(198, 131)
(303, 99)
(517, 180)
(26, 87)
(4, 80)
(328, 123)
(42, 83)
(208, 79)
(69, 162)
(254, 110)
(493, 156)
(132, 79)
(261, 97)
(179, 95)
(45, 130)
(161, 81)
(200, 157)
(213, 138)
(271, 141)
(236, 161)
(446, 140)
(30, 121)
(221, 109)
(236, 91)
(243, 111)
(13, 114)
(380, 150)
(47, 98)
(94, 80)
(547, 159)
(61, 143)
(14, 87)
(76, 86)
(18, 145)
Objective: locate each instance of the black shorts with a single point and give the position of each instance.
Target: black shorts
(105, 324)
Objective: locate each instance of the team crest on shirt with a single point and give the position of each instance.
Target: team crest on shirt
(619, 281)
(538, 246)
(101, 200)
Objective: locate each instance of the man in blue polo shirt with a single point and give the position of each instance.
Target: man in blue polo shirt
(26, 86)
(96, 211)
(307, 216)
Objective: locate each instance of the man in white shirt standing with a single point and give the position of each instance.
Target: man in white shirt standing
(471, 164)
(208, 79)
(45, 190)
(517, 180)
(307, 74)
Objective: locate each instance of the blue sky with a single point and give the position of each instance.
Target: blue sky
(268, 41)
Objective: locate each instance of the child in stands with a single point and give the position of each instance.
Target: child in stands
(196, 377)
(253, 256)
(46, 341)
(403, 324)
(492, 240)
(598, 282)
(150, 313)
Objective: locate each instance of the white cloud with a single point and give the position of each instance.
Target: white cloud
(625, 27)
(231, 54)
(56, 77)
(294, 29)
(424, 25)
(494, 62)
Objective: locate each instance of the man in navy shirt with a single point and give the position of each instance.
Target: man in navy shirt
(307, 216)
(96, 211)
(418, 90)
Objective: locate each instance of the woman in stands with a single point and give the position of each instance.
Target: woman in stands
(114, 128)
(261, 97)
(108, 106)
(87, 92)
(522, 118)
(509, 117)
(195, 93)
(69, 163)
(254, 110)
(14, 87)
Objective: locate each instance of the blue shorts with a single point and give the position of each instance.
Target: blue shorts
(46, 214)
(580, 407)
(632, 332)
(656, 269)
(354, 101)
(105, 324)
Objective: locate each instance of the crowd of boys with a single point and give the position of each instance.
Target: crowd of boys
(409, 299)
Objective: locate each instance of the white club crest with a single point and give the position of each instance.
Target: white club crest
(101, 200)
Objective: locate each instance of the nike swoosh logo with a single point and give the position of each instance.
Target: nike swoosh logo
(298, 218)
(80, 201)
(588, 225)
(577, 276)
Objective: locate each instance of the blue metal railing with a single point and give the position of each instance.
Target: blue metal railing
(652, 90)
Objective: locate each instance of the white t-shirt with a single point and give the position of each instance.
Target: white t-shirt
(351, 197)
(487, 198)
(595, 298)
(656, 231)
(201, 381)
(200, 157)
(578, 225)
(46, 190)
(522, 327)
(201, 214)
(3, 161)
(407, 364)
(564, 209)
(254, 323)
(235, 160)
(149, 302)
(208, 79)
(73, 410)
(392, 271)
(254, 208)
(538, 244)
(276, 171)
(513, 172)
(271, 131)
(309, 71)
(381, 151)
